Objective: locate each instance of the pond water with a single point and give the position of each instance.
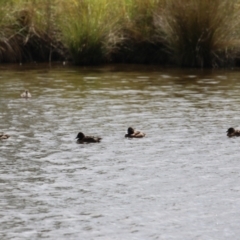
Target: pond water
(182, 181)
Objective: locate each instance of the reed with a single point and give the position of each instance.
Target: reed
(98, 31)
(138, 22)
(90, 29)
(9, 50)
(200, 33)
(27, 32)
(139, 43)
(187, 33)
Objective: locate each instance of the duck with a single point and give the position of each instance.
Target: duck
(132, 133)
(81, 138)
(4, 136)
(231, 132)
(26, 94)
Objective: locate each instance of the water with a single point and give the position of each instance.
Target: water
(182, 181)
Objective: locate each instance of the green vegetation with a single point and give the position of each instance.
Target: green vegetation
(187, 33)
(201, 33)
(90, 29)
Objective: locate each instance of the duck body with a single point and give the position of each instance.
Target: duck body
(81, 138)
(231, 132)
(4, 136)
(134, 134)
(26, 94)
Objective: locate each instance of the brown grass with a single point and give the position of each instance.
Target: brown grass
(188, 33)
(199, 33)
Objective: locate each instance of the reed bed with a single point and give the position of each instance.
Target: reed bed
(90, 28)
(28, 32)
(187, 33)
(200, 33)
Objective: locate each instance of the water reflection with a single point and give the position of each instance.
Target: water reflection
(180, 182)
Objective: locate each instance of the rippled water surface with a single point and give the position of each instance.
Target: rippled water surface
(182, 181)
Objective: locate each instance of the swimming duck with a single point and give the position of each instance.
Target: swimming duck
(26, 94)
(134, 134)
(231, 132)
(4, 136)
(87, 139)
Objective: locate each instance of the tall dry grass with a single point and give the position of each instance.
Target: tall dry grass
(27, 31)
(90, 28)
(188, 33)
(139, 43)
(200, 33)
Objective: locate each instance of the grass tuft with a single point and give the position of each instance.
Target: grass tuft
(199, 33)
(90, 29)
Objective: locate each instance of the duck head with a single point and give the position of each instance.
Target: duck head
(231, 130)
(130, 130)
(80, 135)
